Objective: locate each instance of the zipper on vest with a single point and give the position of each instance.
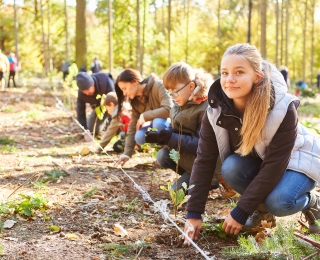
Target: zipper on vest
(235, 117)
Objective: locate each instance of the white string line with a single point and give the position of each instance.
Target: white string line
(144, 193)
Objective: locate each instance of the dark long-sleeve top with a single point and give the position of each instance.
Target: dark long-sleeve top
(273, 167)
(104, 84)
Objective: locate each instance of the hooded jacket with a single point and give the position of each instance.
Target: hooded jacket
(187, 120)
(287, 145)
(155, 103)
(103, 83)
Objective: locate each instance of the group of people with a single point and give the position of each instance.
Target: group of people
(8, 68)
(241, 131)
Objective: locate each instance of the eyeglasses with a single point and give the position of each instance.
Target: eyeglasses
(175, 94)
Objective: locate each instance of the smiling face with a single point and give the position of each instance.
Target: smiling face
(129, 89)
(90, 91)
(237, 78)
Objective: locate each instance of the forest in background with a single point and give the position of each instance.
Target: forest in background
(149, 35)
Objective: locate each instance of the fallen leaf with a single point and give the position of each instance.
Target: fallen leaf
(119, 230)
(85, 151)
(53, 228)
(148, 239)
(105, 239)
(11, 239)
(97, 197)
(72, 236)
(9, 223)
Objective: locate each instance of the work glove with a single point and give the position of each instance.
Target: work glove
(161, 137)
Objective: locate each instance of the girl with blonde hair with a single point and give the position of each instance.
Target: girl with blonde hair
(267, 156)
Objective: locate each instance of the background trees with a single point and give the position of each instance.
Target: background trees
(150, 34)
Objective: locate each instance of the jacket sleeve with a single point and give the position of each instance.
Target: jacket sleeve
(187, 143)
(203, 167)
(273, 167)
(81, 112)
(111, 131)
(130, 142)
(163, 111)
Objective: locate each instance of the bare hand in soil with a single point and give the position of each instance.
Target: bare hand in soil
(192, 229)
(121, 161)
(231, 226)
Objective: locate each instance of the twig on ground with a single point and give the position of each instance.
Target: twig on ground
(308, 239)
(22, 184)
(63, 169)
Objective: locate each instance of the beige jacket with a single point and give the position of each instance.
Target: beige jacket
(155, 103)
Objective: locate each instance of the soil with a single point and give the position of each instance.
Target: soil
(47, 138)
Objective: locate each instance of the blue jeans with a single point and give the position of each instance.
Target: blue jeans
(291, 195)
(158, 123)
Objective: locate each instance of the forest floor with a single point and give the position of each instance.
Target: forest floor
(84, 206)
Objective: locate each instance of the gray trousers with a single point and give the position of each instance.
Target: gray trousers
(100, 125)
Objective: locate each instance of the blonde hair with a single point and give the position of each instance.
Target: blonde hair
(181, 72)
(258, 105)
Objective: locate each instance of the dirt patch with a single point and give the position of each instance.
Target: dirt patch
(45, 139)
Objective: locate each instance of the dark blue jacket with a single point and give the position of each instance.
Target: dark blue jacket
(104, 84)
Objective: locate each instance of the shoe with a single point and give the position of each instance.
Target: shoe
(313, 213)
(257, 216)
(214, 186)
(228, 191)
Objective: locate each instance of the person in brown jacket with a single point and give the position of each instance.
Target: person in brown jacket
(150, 102)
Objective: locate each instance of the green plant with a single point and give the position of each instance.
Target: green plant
(129, 207)
(26, 207)
(90, 192)
(308, 92)
(115, 215)
(314, 127)
(101, 109)
(280, 244)
(217, 229)
(54, 174)
(8, 148)
(39, 184)
(116, 251)
(5, 141)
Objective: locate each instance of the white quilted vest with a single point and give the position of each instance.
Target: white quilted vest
(305, 156)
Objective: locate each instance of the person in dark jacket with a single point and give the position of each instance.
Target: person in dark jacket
(267, 156)
(89, 87)
(188, 89)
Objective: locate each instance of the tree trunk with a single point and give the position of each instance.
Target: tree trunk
(16, 39)
(162, 14)
(287, 33)
(45, 63)
(66, 29)
(138, 37)
(81, 43)
(50, 65)
(249, 22)
(263, 36)
(143, 34)
(110, 36)
(187, 6)
(169, 33)
(313, 4)
(277, 34)
(304, 40)
(218, 17)
(281, 33)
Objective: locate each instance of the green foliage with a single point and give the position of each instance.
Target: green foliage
(116, 251)
(8, 148)
(174, 155)
(310, 109)
(308, 92)
(6, 141)
(26, 207)
(90, 192)
(178, 197)
(54, 174)
(216, 229)
(130, 207)
(282, 244)
(101, 109)
(52, 228)
(314, 127)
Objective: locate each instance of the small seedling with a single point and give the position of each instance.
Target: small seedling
(5, 141)
(129, 207)
(90, 192)
(101, 109)
(54, 174)
(115, 215)
(217, 229)
(8, 148)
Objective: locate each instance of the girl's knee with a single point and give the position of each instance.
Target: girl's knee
(140, 137)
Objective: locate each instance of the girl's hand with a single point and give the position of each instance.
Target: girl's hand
(192, 229)
(122, 160)
(231, 226)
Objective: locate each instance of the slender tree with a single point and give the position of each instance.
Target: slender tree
(50, 62)
(313, 5)
(169, 32)
(110, 21)
(16, 39)
(218, 18)
(66, 30)
(304, 52)
(263, 26)
(287, 32)
(187, 11)
(277, 33)
(143, 34)
(138, 50)
(43, 40)
(81, 42)
(249, 21)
